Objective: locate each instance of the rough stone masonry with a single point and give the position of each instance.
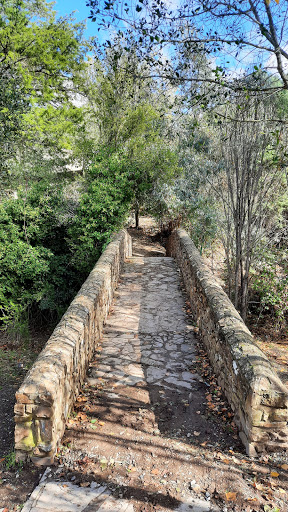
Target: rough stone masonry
(254, 391)
(51, 386)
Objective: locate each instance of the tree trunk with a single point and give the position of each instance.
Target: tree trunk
(137, 216)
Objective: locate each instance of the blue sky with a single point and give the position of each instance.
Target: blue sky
(245, 57)
(67, 6)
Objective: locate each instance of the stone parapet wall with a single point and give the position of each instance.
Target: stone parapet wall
(254, 391)
(45, 399)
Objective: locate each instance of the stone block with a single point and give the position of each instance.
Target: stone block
(21, 456)
(23, 399)
(19, 419)
(42, 461)
(29, 408)
(21, 432)
(19, 409)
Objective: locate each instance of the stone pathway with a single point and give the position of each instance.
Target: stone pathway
(147, 339)
(139, 386)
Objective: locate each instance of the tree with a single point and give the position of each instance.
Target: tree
(187, 200)
(102, 209)
(13, 104)
(246, 182)
(131, 120)
(40, 58)
(210, 27)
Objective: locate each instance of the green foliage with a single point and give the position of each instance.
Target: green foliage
(41, 59)
(24, 267)
(269, 281)
(34, 257)
(185, 199)
(12, 463)
(102, 210)
(43, 50)
(51, 237)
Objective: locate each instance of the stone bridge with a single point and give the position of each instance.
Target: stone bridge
(147, 339)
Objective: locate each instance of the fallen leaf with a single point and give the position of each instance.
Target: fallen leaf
(267, 508)
(196, 433)
(155, 471)
(84, 484)
(81, 416)
(101, 423)
(81, 399)
(231, 496)
(284, 466)
(274, 474)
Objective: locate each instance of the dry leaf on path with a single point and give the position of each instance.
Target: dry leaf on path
(231, 496)
(81, 399)
(81, 416)
(274, 474)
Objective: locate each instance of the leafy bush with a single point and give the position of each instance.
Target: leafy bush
(102, 210)
(23, 267)
(270, 283)
(46, 252)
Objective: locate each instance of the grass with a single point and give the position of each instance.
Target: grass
(12, 463)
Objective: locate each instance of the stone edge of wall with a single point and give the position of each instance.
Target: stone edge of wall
(256, 394)
(49, 390)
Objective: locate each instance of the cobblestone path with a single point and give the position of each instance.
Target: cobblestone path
(147, 339)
